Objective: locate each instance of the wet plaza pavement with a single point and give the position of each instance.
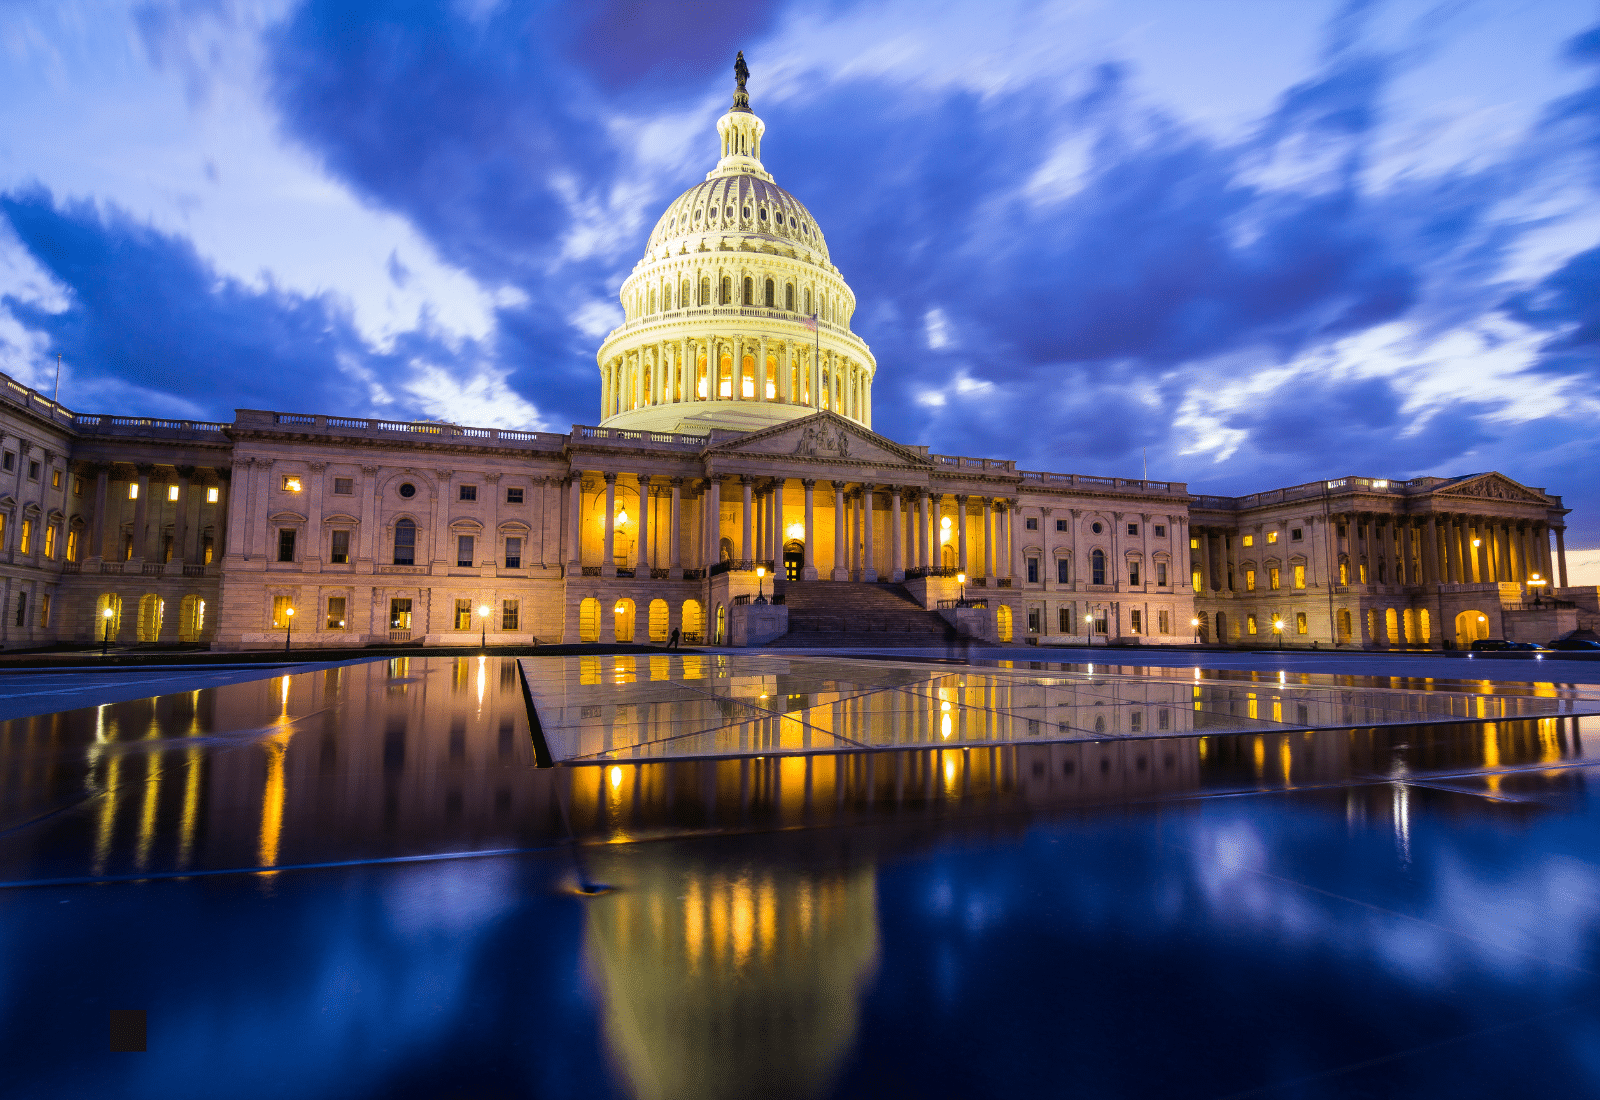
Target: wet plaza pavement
(355, 881)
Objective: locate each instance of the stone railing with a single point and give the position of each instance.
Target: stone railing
(1084, 481)
(425, 429)
(146, 425)
(614, 436)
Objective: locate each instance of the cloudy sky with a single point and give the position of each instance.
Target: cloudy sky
(1255, 242)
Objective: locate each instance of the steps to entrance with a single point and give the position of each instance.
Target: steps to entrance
(847, 614)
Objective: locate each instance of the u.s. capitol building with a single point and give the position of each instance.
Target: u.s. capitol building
(734, 434)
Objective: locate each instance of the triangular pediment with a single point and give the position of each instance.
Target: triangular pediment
(1492, 486)
(824, 437)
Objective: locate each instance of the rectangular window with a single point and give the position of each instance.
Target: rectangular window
(1161, 530)
(1136, 721)
(72, 546)
(280, 612)
(1133, 573)
(133, 490)
(405, 543)
(11, 460)
(213, 494)
(514, 495)
(514, 553)
(1344, 572)
(50, 542)
(1033, 621)
(166, 548)
(344, 486)
(1195, 577)
(1295, 535)
(1065, 618)
(1064, 570)
(1272, 536)
(469, 492)
(1164, 619)
(1031, 523)
(1249, 624)
(77, 486)
(172, 492)
(26, 546)
(400, 614)
(1249, 540)
(1135, 621)
(1133, 528)
(463, 614)
(55, 479)
(286, 544)
(291, 483)
(1249, 580)
(1300, 622)
(1361, 571)
(1299, 576)
(1061, 525)
(1100, 621)
(1272, 578)
(1161, 574)
(341, 548)
(335, 612)
(207, 545)
(1341, 530)
(509, 615)
(33, 471)
(44, 609)
(1033, 570)
(463, 551)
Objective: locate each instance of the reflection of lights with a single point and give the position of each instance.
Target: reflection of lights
(945, 707)
(796, 531)
(944, 725)
(621, 607)
(616, 778)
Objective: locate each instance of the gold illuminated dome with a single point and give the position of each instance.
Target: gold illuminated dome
(717, 330)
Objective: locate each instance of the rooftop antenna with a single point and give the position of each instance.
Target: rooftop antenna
(1146, 452)
(56, 398)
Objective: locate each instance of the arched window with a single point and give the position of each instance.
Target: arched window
(191, 619)
(405, 543)
(589, 620)
(727, 290)
(771, 299)
(1097, 567)
(749, 291)
(150, 615)
(652, 306)
(808, 302)
(694, 623)
(658, 620)
(705, 290)
(788, 297)
(622, 620)
(683, 295)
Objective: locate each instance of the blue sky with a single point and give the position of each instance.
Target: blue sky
(1260, 242)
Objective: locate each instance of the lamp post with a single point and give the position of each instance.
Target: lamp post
(761, 573)
(1088, 626)
(288, 627)
(483, 620)
(1195, 622)
(961, 581)
(1277, 628)
(1537, 583)
(105, 643)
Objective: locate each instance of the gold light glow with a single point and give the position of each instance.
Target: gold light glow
(616, 778)
(622, 517)
(796, 530)
(291, 485)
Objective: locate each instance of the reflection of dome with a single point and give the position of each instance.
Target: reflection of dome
(729, 981)
(715, 332)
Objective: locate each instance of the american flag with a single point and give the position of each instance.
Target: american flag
(810, 322)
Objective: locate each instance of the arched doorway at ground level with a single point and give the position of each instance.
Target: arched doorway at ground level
(794, 559)
(1470, 627)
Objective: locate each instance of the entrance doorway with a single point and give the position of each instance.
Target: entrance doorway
(1470, 627)
(794, 560)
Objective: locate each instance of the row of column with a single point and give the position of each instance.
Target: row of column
(668, 372)
(184, 548)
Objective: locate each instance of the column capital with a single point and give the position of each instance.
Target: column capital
(185, 471)
(840, 486)
(148, 469)
(675, 482)
(961, 498)
(808, 483)
(610, 478)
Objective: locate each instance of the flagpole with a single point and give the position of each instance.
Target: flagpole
(56, 399)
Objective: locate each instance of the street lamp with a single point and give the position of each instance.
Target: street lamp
(1088, 626)
(288, 627)
(483, 619)
(107, 615)
(961, 580)
(1277, 628)
(1195, 622)
(761, 572)
(1537, 583)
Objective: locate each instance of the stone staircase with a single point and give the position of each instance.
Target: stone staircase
(847, 614)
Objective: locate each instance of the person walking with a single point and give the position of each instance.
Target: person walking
(672, 642)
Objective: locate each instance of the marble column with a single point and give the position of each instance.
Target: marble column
(574, 490)
(961, 533)
(713, 521)
(808, 560)
(841, 571)
(897, 559)
(1430, 552)
(642, 557)
(988, 541)
(1205, 560)
(746, 546)
(141, 514)
(674, 558)
(1561, 555)
(608, 560)
(1013, 547)
(869, 560)
(97, 529)
(922, 530)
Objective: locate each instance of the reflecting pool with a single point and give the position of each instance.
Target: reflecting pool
(357, 882)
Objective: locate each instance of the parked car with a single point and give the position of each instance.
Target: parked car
(1585, 644)
(1528, 645)
(1483, 644)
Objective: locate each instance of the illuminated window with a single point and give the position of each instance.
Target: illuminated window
(172, 492)
(55, 479)
(509, 616)
(1195, 577)
(26, 545)
(1344, 572)
(1249, 540)
(72, 545)
(1250, 624)
(340, 554)
(213, 494)
(50, 541)
(291, 484)
(133, 490)
(280, 612)
(1272, 536)
(1300, 622)
(1299, 576)
(335, 612)
(1194, 544)
(1164, 621)
(400, 614)
(1361, 572)
(44, 609)
(463, 614)
(1249, 580)
(77, 486)
(1272, 578)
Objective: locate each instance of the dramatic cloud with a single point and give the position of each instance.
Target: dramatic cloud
(1358, 238)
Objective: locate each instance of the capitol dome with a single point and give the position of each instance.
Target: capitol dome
(735, 317)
